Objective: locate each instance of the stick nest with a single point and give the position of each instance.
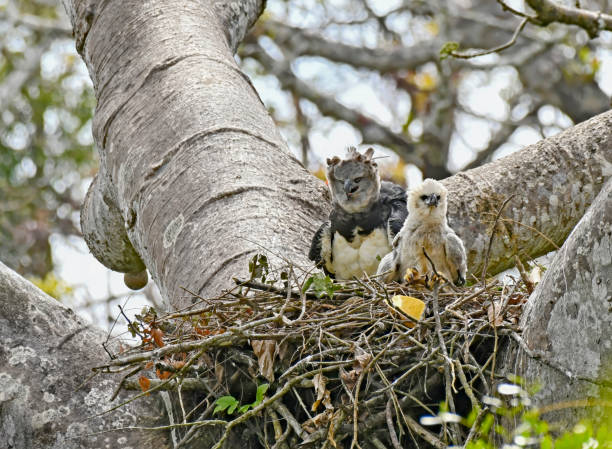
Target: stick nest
(316, 363)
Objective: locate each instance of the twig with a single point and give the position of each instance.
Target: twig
(448, 362)
(497, 49)
(392, 434)
(129, 374)
(475, 426)
(487, 254)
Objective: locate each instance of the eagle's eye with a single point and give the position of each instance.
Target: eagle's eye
(423, 197)
(438, 197)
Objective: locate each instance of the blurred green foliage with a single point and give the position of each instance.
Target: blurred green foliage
(510, 420)
(46, 153)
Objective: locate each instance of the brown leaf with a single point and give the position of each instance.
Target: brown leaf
(163, 375)
(349, 378)
(265, 351)
(494, 314)
(361, 361)
(178, 364)
(219, 372)
(316, 422)
(157, 335)
(323, 395)
(144, 383)
(149, 365)
(332, 426)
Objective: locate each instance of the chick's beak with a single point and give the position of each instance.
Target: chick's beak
(350, 187)
(432, 200)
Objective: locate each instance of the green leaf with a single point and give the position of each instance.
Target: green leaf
(232, 408)
(259, 395)
(307, 284)
(447, 49)
(321, 285)
(244, 408)
(226, 402)
(258, 267)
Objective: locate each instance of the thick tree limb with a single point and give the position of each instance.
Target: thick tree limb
(555, 181)
(548, 11)
(47, 396)
(568, 317)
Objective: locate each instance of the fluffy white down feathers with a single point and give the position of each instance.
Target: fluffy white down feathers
(426, 228)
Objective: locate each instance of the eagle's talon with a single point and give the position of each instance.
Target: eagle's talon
(412, 275)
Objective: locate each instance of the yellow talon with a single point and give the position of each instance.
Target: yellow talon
(412, 275)
(431, 279)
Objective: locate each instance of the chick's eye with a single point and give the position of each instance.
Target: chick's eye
(438, 197)
(423, 197)
(358, 180)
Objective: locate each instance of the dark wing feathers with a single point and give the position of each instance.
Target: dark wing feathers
(321, 247)
(394, 196)
(315, 252)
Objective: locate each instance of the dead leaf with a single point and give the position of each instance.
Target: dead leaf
(316, 422)
(219, 372)
(149, 365)
(163, 375)
(349, 378)
(323, 394)
(157, 335)
(283, 350)
(409, 305)
(265, 351)
(144, 382)
(494, 314)
(362, 359)
(177, 364)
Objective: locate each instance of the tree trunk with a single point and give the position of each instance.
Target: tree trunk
(568, 319)
(47, 396)
(200, 174)
(554, 182)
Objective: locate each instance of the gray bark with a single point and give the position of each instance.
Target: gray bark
(201, 174)
(568, 319)
(554, 180)
(47, 399)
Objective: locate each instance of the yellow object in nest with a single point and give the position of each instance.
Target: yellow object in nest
(411, 306)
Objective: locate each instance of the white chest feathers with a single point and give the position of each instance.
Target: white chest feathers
(361, 255)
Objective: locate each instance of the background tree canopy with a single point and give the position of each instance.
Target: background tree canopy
(332, 73)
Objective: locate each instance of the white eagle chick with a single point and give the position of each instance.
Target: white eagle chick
(426, 228)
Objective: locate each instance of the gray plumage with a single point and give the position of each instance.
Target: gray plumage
(366, 216)
(426, 227)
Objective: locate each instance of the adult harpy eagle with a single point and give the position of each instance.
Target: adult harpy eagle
(366, 216)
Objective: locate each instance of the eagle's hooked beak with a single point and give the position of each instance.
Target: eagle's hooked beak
(350, 187)
(432, 200)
